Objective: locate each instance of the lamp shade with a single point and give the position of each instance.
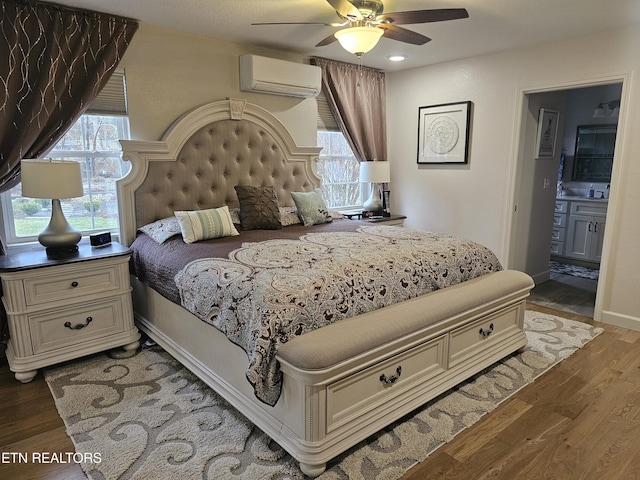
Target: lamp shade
(359, 40)
(51, 179)
(375, 172)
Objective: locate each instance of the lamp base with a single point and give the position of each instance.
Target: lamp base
(59, 236)
(374, 202)
(61, 252)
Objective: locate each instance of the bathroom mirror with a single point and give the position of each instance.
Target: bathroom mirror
(593, 158)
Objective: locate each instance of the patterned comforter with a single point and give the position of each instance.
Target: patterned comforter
(266, 292)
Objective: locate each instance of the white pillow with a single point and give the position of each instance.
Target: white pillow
(162, 230)
(205, 224)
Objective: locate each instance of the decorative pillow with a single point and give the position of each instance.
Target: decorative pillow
(289, 216)
(258, 208)
(311, 207)
(235, 215)
(205, 224)
(162, 230)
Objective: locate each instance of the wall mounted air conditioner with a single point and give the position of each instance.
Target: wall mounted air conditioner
(278, 77)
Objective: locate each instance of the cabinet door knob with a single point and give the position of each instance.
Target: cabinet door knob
(74, 284)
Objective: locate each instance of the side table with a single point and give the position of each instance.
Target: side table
(62, 309)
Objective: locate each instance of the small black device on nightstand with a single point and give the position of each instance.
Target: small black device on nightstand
(100, 239)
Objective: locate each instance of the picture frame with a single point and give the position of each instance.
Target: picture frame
(547, 133)
(443, 133)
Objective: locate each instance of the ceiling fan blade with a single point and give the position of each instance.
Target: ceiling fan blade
(346, 9)
(326, 41)
(294, 23)
(423, 16)
(403, 35)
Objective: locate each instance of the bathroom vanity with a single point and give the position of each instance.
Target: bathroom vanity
(578, 228)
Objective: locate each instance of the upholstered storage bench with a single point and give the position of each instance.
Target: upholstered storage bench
(358, 375)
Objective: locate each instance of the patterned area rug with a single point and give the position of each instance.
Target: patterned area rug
(150, 418)
(574, 270)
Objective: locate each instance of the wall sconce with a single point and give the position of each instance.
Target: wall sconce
(54, 179)
(607, 109)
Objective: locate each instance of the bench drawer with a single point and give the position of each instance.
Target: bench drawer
(477, 337)
(364, 391)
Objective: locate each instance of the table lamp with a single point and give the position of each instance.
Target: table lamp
(375, 173)
(54, 179)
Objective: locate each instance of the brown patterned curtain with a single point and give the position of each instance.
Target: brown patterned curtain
(54, 60)
(357, 98)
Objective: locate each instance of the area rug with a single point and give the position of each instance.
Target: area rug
(146, 417)
(574, 270)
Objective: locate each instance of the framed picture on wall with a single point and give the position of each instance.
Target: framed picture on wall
(547, 133)
(443, 133)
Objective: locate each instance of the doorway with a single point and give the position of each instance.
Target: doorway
(549, 196)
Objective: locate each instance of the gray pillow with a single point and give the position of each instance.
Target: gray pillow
(311, 207)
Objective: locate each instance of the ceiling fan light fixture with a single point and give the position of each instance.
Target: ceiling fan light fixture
(359, 40)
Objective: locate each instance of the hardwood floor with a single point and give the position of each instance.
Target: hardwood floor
(580, 420)
(566, 293)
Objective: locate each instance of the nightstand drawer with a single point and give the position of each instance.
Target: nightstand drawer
(72, 326)
(74, 284)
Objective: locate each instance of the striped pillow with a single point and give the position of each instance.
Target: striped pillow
(205, 224)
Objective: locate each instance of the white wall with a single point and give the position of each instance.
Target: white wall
(477, 200)
(533, 219)
(169, 72)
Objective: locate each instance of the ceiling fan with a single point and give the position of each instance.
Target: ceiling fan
(365, 23)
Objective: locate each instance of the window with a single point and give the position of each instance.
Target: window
(338, 167)
(93, 142)
(339, 170)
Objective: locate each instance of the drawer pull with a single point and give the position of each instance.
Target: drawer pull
(486, 333)
(79, 326)
(74, 284)
(393, 378)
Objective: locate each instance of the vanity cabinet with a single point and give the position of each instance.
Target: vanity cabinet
(585, 231)
(558, 233)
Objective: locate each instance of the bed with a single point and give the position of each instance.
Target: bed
(356, 369)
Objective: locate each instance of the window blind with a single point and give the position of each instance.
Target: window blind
(326, 120)
(112, 99)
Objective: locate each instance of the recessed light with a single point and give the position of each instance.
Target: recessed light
(397, 58)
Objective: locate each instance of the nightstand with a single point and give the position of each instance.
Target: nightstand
(62, 309)
(397, 220)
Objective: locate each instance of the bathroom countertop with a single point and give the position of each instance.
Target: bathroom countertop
(582, 199)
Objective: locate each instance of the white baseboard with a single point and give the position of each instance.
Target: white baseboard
(620, 320)
(541, 277)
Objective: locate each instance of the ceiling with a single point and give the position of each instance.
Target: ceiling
(493, 25)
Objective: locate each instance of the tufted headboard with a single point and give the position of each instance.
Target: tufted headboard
(203, 156)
